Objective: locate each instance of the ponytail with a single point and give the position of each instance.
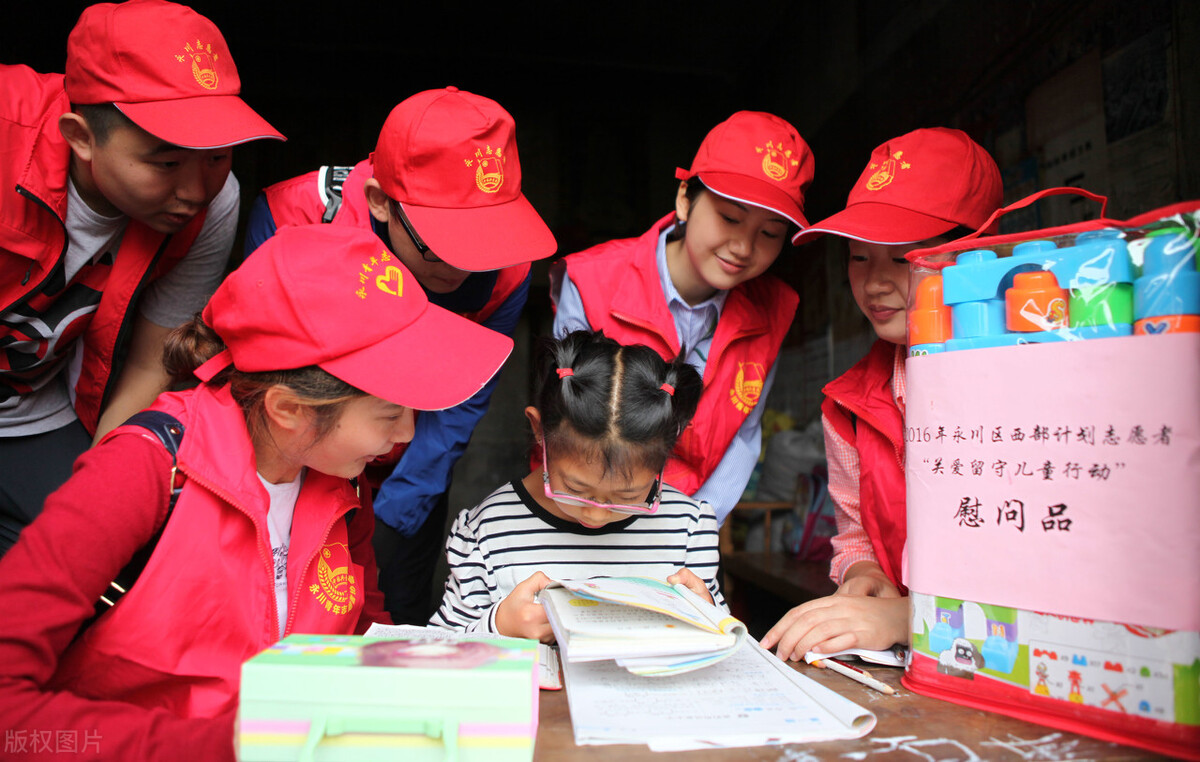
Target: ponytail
(193, 343)
(188, 347)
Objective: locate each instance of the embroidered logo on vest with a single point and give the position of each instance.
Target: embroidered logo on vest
(747, 386)
(886, 172)
(489, 168)
(777, 161)
(204, 63)
(389, 279)
(335, 588)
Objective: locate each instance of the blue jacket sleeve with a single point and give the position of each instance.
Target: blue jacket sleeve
(569, 314)
(406, 498)
(260, 225)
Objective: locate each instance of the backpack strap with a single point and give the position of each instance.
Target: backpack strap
(169, 431)
(330, 181)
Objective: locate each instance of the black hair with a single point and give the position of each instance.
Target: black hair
(692, 192)
(103, 119)
(958, 231)
(694, 188)
(623, 404)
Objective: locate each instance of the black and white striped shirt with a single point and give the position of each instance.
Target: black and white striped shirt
(505, 539)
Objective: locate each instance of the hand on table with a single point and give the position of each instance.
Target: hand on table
(867, 611)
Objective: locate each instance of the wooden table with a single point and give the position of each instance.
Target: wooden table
(910, 728)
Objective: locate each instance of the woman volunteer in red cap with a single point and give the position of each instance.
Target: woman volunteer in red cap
(311, 355)
(694, 285)
(918, 190)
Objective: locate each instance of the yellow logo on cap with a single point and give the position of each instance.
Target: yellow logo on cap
(777, 161)
(204, 62)
(489, 168)
(391, 281)
(747, 386)
(335, 588)
(885, 171)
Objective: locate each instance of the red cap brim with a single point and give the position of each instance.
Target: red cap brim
(438, 361)
(877, 223)
(747, 190)
(207, 121)
(484, 238)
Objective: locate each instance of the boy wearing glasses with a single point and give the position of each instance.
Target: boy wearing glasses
(443, 191)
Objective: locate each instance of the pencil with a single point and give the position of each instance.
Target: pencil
(848, 665)
(856, 675)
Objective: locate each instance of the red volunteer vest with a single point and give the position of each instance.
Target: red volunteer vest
(33, 240)
(622, 295)
(877, 431)
(303, 199)
(224, 583)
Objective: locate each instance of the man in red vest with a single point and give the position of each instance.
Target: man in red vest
(117, 216)
(442, 190)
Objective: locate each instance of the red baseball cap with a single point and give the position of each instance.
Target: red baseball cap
(915, 187)
(756, 158)
(165, 67)
(335, 297)
(450, 158)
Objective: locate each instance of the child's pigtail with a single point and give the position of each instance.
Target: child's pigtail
(565, 361)
(686, 385)
(574, 383)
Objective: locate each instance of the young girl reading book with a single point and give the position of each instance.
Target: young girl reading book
(309, 371)
(605, 417)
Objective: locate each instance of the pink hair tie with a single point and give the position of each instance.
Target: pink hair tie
(564, 372)
(668, 389)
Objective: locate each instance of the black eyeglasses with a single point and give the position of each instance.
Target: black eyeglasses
(423, 249)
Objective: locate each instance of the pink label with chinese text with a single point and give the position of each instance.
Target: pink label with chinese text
(1061, 477)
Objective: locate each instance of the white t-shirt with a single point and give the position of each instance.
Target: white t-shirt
(279, 527)
(168, 301)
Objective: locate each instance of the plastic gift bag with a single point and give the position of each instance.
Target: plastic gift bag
(1053, 476)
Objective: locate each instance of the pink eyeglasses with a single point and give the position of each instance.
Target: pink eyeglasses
(647, 508)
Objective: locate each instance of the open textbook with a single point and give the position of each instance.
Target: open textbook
(749, 699)
(647, 626)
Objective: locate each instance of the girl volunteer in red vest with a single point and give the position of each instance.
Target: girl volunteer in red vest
(946, 187)
(312, 355)
(695, 284)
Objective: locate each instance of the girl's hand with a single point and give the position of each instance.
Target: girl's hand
(688, 579)
(867, 578)
(519, 615)
(838, 622)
